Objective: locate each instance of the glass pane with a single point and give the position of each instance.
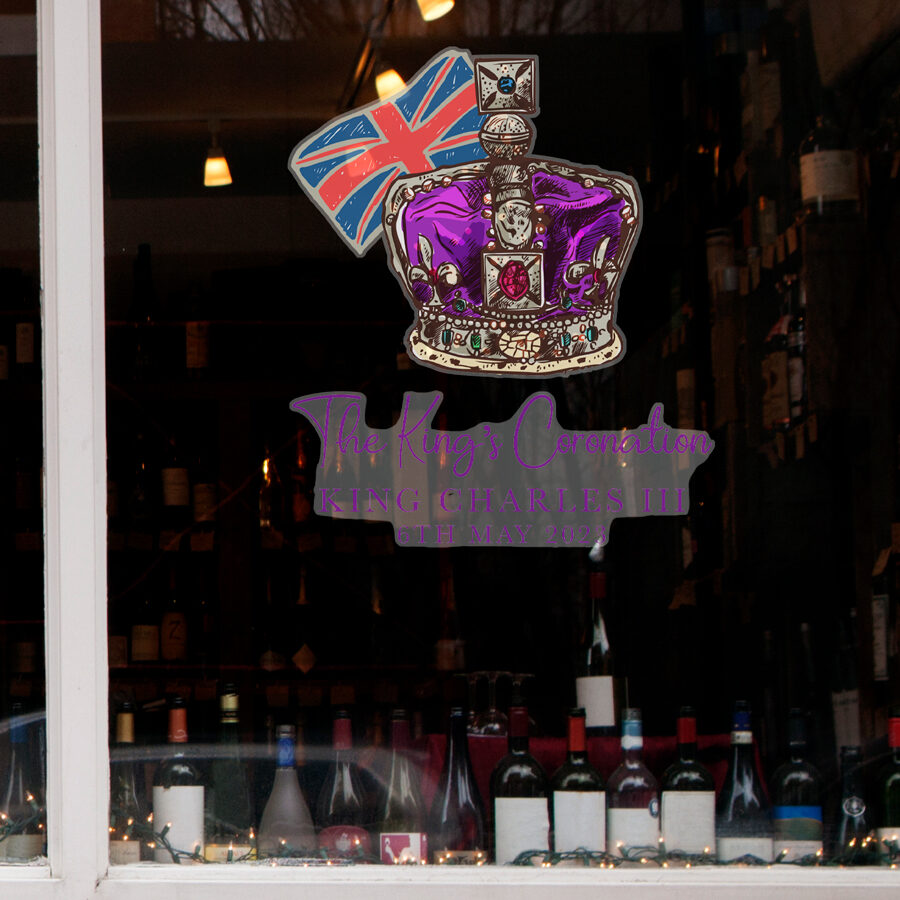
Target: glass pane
(22, 732)
(289, 684)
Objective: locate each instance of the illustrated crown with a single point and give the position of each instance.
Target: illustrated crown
(512, 264)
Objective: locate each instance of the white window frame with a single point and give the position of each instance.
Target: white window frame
(72, 260)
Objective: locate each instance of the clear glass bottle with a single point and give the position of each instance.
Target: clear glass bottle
(578, 807)
(286, 825)
(632, 794)
(688, 806)
(402, 837)
(743, 821)
(887, 821)
(797, 798)
(854, 843)
(456, 823)
(126, 803)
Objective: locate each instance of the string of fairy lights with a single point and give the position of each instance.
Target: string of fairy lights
(855, 853)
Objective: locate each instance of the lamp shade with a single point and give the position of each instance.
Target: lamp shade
(216, 172)
(434, 9)
(388, 82)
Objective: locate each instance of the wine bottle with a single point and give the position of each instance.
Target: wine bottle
(579, 795)
(853, 842)
(229, 813)
(176, 497)
(456, 822)
(402, 837)
(632, 794)
(21, 798)
(173, 632)
(144, 628)
(178, 793)
(797, 798)
(688, 806)
(286, 825)
(519, 792)
(743, 824)
(126, 806)
(594, 687)
(829, 177)
(343, 814)
(887, 820)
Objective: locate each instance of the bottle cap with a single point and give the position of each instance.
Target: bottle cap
(177, 721)
(687, 726)
(125, 726)
(576, 733)
(632, 729)
(894, 731)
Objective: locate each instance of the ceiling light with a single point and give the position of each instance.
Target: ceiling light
(388, 82)
(215, 172)
(434, 9)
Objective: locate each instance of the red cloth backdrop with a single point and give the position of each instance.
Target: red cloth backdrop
(604, 754)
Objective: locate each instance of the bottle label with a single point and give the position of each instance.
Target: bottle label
(176, 488)
(173, 639)
(123, 853)
(853, 806)
(776, 403)
(24, 343)
(880, 610)
(731, 848)
(220, 853)
(181, 808)
(22, 846)
(579, 820)
(520, 824)
(403, 848)
(888, 840)
(829, 175)
(204, 502)
(845, 708)
(286, 756)
(688, 821)
(197, 345)
(595, 696)
(741, 737)
(345, 840)
(798, 831)
(144, 643)
(630, 828)
(4, 362)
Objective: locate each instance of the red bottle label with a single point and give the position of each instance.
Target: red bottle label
(345, 840)
(403, 848)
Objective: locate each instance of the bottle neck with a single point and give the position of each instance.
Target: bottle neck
(687, 739)
(577, 741)
(400, 734)
(632, 741)
(518, 729)
(798, 751)
(343, 735)
(286, 757)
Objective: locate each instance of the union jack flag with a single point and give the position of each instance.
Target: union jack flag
(347, 166)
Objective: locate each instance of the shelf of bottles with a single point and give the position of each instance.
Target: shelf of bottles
(424, 803)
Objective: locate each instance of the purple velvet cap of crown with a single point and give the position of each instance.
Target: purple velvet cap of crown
(577, 219)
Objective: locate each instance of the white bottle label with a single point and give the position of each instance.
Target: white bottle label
(887, 836)
(830, 175)
(197, 345)
(123, 853)
(688, 820)
(595, 696)
(629, 828)
(22, 846)
(794, 850)
(579, 820)
(180, 807)
(176, 488)
(520, 823)
(24, 342)
(729, 848)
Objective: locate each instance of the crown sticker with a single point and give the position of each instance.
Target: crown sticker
(511, 263)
